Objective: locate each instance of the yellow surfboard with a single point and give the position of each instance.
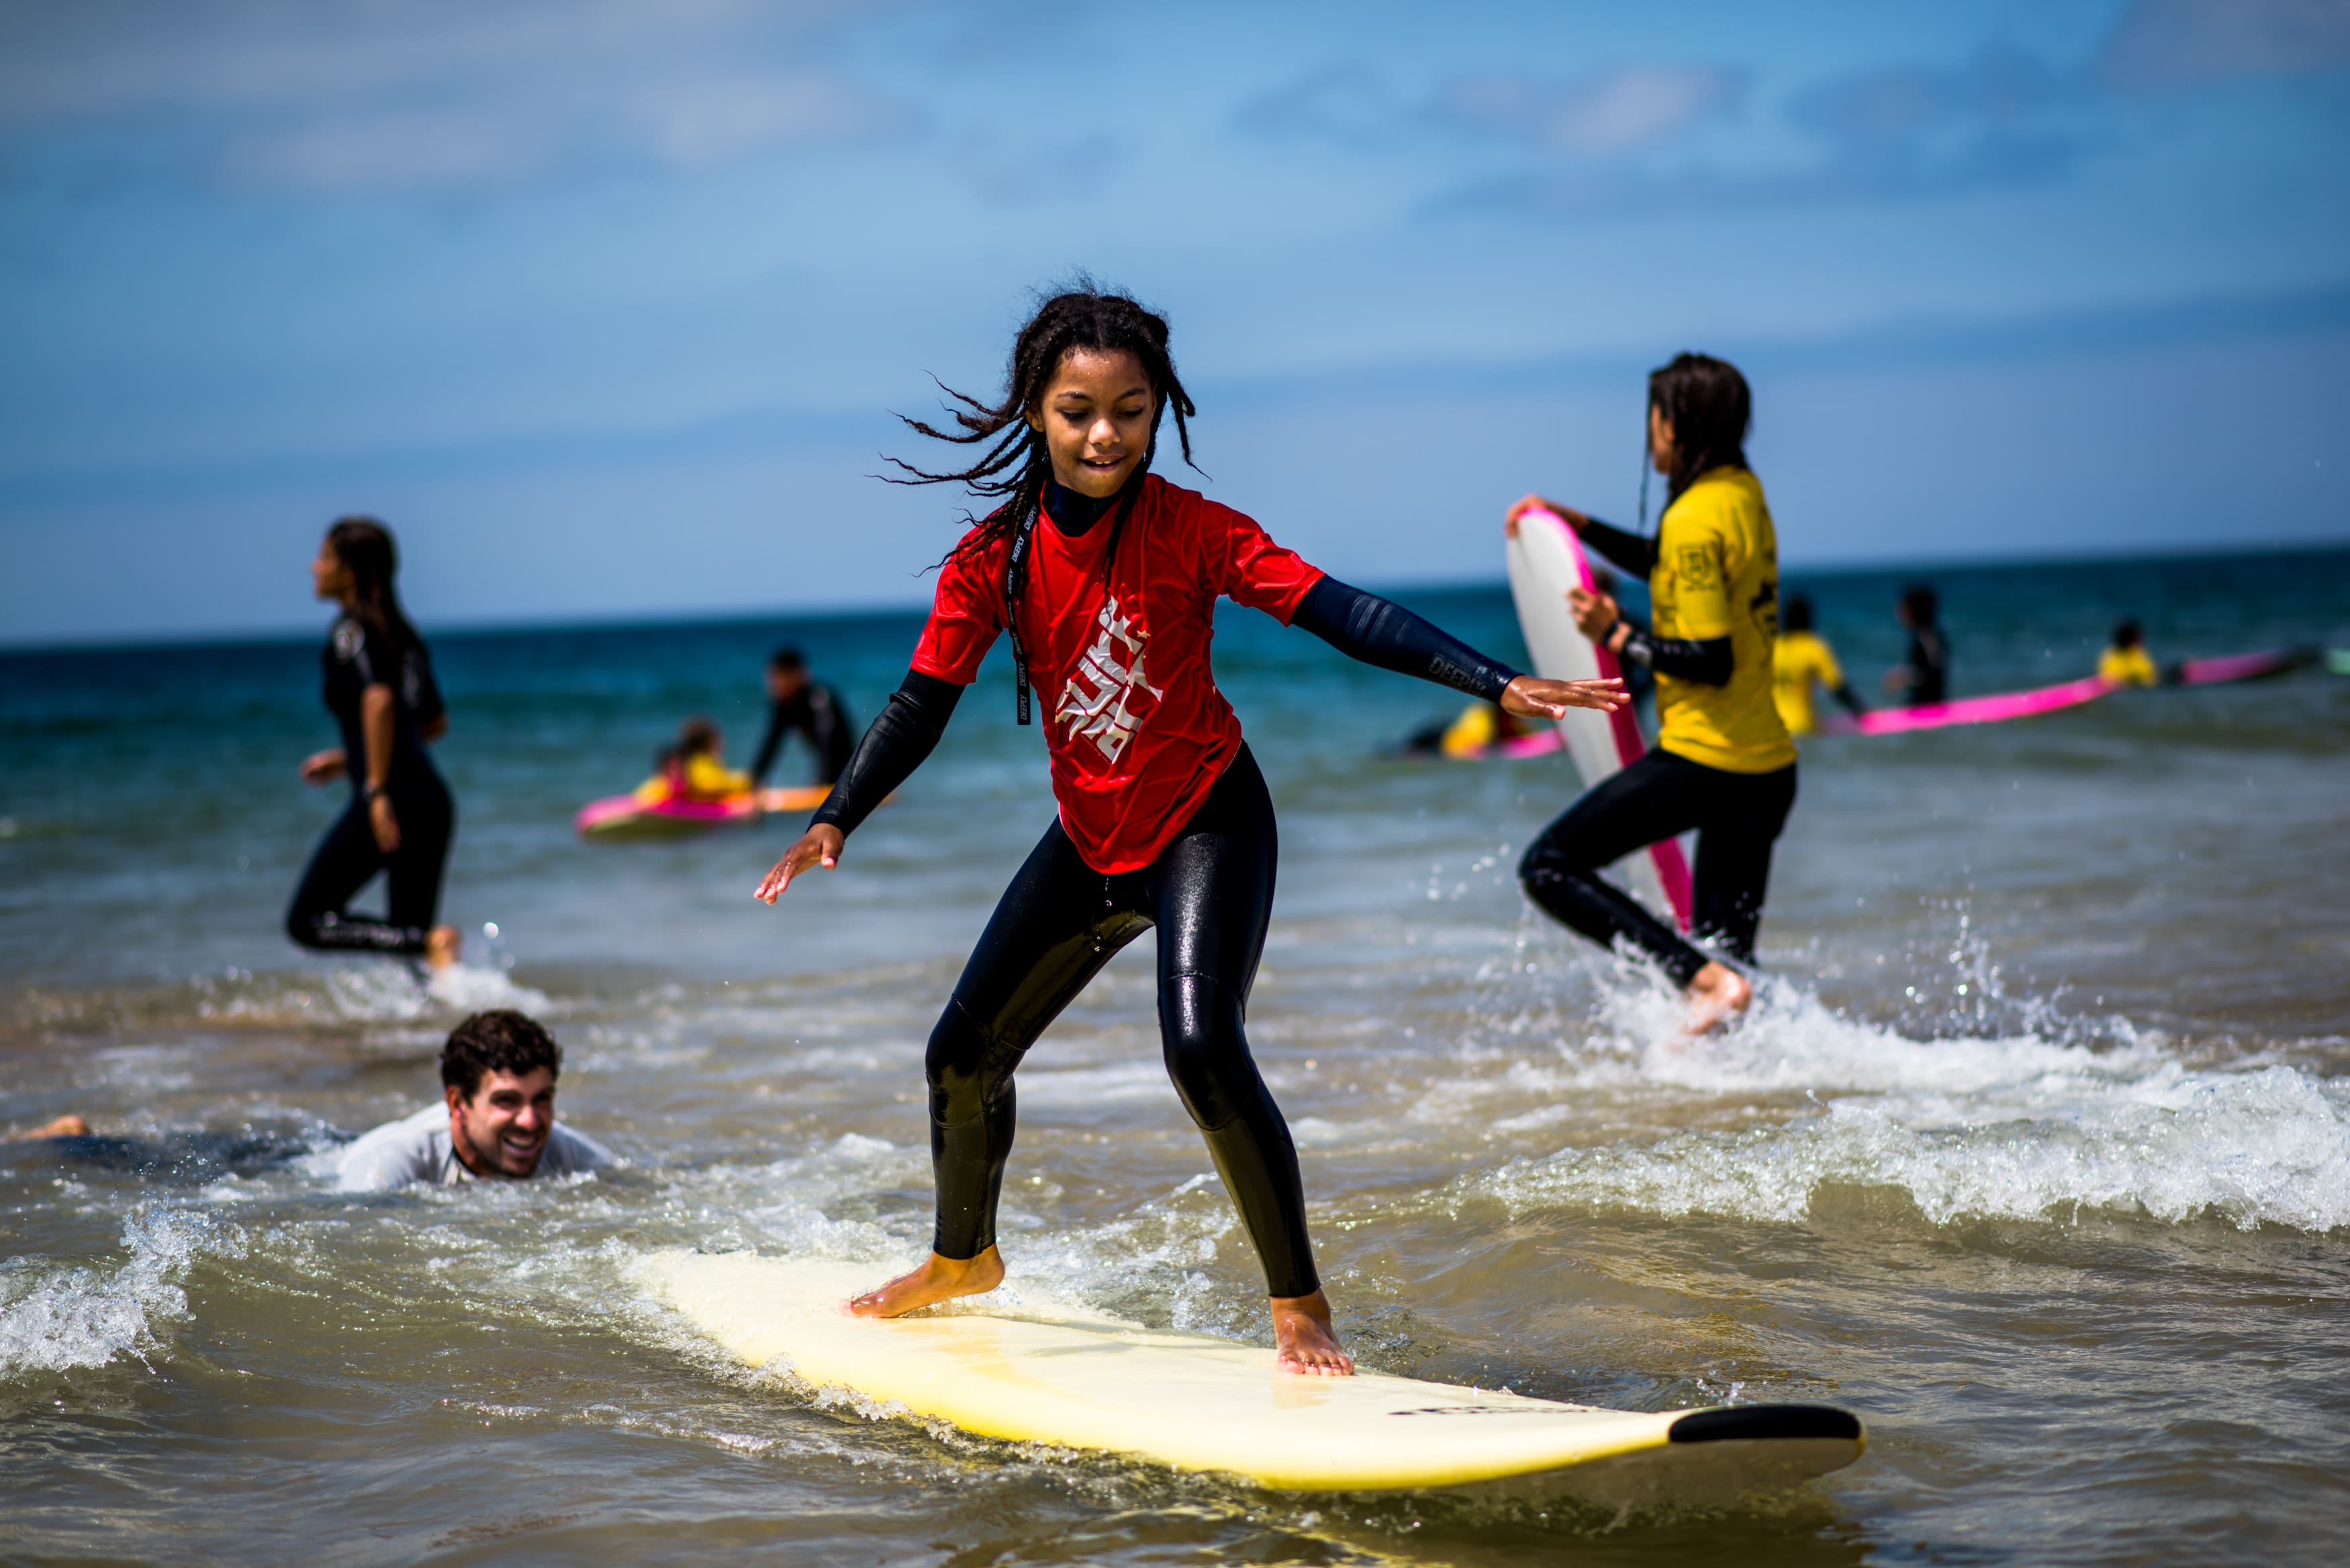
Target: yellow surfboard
(1034, 1371)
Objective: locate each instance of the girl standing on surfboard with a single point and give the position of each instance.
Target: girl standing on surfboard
(1105, 578)
(1723, 762)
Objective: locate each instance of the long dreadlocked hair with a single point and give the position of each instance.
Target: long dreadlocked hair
(1012, 471)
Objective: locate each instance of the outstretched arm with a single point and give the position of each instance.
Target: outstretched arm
(1843, 693)
(769, 745)
(1383, 633)
(900, 739)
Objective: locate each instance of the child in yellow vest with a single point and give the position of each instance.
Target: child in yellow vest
(1800, 662)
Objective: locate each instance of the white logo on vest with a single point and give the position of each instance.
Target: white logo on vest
(1112, 667)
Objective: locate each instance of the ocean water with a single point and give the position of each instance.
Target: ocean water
(2035, 1151)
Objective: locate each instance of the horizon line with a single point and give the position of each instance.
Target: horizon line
(743, 616)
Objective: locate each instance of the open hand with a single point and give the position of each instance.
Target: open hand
(1530, 697)
(323, 767)
(1525, 503)
(819, 846)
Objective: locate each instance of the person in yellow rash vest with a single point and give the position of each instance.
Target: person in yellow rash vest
(1723, 762)
(2125, 662)
(694, 768)
(1801, 663)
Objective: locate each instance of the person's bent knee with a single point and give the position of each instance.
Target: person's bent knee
(955, 1064)
(302, 928)
(1207, 1055)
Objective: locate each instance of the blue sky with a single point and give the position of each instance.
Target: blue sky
(606, 307)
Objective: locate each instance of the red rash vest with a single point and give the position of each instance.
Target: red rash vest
(1137, 733)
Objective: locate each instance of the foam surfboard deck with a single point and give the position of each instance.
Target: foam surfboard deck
(1041, 1372)
(625, 816)
(1545, 560)
(2240, 666)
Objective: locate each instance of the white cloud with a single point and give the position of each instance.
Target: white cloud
(1609, 113)
(345, 93)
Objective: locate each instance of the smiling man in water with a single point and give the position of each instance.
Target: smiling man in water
(497, 1119)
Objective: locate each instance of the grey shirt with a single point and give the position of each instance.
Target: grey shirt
(417, 1148)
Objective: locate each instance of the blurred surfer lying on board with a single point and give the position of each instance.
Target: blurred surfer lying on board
(1105, 577)
(494, 1120)
(694, 768)
(1723, 762)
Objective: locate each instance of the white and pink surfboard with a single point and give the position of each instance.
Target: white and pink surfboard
(1545, 560)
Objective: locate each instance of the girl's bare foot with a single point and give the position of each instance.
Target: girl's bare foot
(937, 1280)
(442, 945)
(1717, 992)
(1303, 1338)
(66, 1126)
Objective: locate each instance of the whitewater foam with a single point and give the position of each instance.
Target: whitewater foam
(57, 1318)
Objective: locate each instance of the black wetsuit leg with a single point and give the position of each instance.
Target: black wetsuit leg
(1737, 817)
(1211, 894)
(348, 857)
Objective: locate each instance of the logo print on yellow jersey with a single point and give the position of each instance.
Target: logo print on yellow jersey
(1112, 669)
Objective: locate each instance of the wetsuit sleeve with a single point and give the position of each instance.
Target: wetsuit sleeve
(1380, 632)
(1707, 661)
(1843, 693)
(827, 732)
(1628, 551)
(904, 733)
(769, 743)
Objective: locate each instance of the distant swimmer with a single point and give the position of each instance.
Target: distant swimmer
(1801, 663)
(1477, 728)
(380, 689)
(1723, 762)
(1923, 675)
(495, 1121)
(795, 703)
(2125, 662)
(1105, 578)
(694, 768)
(66, 1126)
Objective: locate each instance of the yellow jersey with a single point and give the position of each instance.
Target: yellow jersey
(1470, 735)
(1801, 663)
(1717, 575)
(706, 778)
(2127, 666)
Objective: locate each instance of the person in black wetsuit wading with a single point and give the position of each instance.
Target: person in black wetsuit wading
(1105, 578)
(380, 688)
(1723, 762)
(1923, 675)
(795, 703)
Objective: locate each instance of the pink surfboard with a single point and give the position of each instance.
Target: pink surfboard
(626, 816)
(1968, 709)
(1545, 560)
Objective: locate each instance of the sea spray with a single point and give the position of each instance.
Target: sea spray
(56, 1318)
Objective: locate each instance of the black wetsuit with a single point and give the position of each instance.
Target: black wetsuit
(1209, 893)
(1737, 817)
(1926, 667)
(816, 711)
(355, 658)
